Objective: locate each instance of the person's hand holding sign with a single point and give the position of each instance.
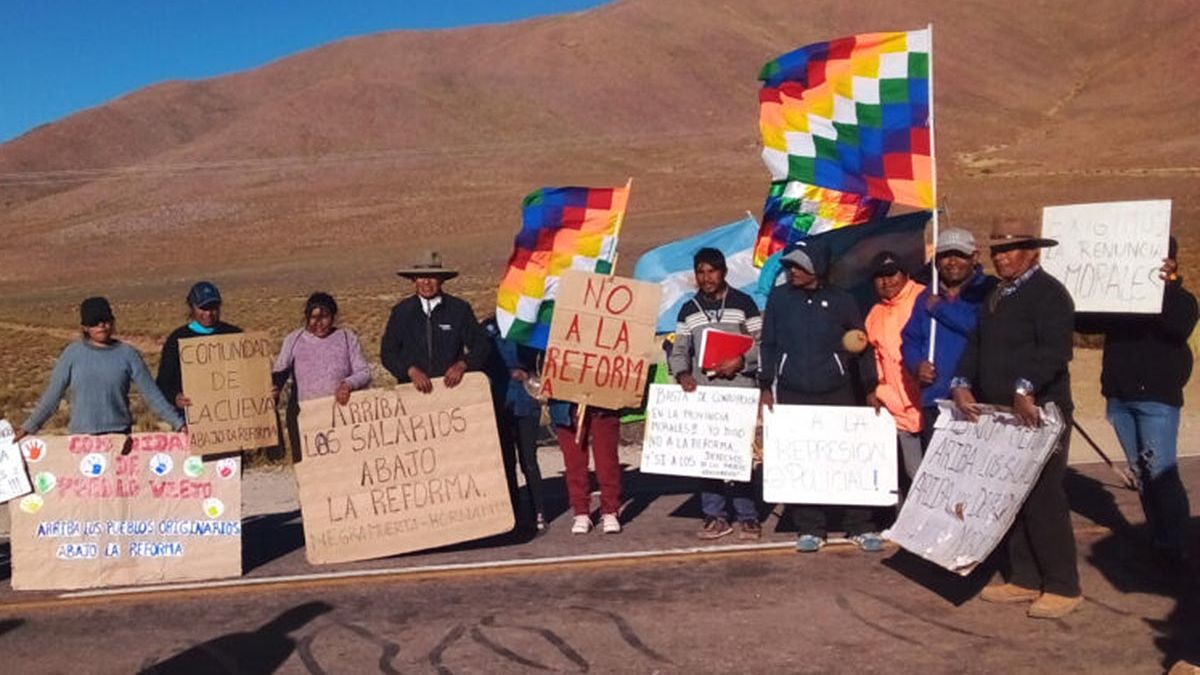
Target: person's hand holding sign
(454, 373)
(686, 381)
(965, 401)
(420, 380)
(1026, 410)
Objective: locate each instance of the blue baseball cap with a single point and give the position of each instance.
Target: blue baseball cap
(204, 294)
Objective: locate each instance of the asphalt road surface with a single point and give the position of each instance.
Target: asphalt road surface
(767, 610)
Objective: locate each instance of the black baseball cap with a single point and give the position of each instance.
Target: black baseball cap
(885, 264)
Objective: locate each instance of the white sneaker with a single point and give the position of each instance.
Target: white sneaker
(611, 524)
(581, 525)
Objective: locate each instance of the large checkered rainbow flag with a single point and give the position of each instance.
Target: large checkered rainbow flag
(795, 210)
(852, 115)
(563, 228)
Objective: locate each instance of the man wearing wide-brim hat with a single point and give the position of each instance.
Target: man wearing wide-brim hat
(430, 333)
(1018, 356)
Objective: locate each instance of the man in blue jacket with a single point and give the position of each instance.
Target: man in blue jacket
(804, 362)
(962, 288)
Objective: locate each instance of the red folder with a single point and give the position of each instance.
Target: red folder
(717, 346)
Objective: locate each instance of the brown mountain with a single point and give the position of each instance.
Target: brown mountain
(337, 163)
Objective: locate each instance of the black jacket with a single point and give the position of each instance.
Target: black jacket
(432, 343)
(1028, 335)
(170, 376)
(1146, 356)
(802, 342)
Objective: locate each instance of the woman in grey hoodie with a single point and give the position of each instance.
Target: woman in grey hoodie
(97, 369)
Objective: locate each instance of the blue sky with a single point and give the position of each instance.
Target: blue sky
(61, 56)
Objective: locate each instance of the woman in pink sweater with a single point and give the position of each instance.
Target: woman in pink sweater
(321, 359)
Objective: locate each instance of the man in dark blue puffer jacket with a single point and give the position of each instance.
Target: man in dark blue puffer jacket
(805, 361)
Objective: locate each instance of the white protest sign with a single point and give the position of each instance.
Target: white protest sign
(815, 454)
(1109, 254)
(971, 484)
(14, 481)
(708, 433)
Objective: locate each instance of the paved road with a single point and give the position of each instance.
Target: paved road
(761, 611)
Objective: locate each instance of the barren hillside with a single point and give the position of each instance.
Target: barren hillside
(336, 164)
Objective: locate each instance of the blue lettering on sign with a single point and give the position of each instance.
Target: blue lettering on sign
(155, 549)
(77, 551)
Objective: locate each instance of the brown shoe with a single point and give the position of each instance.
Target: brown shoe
(749, 530)
(714, 528)
(1052, 606)
(1008, 594)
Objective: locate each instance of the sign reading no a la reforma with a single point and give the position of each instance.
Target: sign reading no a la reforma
(818, 454)
(601, 343)
(1109, 254)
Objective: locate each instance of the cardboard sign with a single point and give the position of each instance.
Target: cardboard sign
(115, 510)
(601, 340)
(14, 482)
(228, 379)
(708, 433)
(816, 454)
(1109, 255)
(395, 470)
(971, 484)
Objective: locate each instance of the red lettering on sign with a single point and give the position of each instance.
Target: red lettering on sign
(573, 330)
(620, 294)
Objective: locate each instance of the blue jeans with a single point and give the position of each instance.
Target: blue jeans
(1148, 432)
(717, 494)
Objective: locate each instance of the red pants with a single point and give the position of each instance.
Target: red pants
(604, 427)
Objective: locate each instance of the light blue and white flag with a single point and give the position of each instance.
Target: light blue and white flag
(671, 266)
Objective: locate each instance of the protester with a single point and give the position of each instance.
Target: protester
(897, 389)
(431, 333)
(954, 307)
(204, 318)
(601, 434)
(717, 307)
(321, 358)
(1146, 364)
(98, 369)
(518, 418)
(804, 362)
(1018, 356)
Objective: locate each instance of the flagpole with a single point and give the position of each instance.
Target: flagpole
(933, 175)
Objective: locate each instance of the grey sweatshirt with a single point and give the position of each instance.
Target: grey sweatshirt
(99, 378)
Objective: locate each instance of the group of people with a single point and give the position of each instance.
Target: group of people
(974, 339)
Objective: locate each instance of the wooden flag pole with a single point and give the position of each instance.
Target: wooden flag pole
(933, 176)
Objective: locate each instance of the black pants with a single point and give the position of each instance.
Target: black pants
(814, 519)
(929, 415)
(518, 442)
(1041, 543)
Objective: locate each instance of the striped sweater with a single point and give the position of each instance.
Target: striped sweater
(735, 313)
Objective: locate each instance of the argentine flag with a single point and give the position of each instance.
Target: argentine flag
(670, 266)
